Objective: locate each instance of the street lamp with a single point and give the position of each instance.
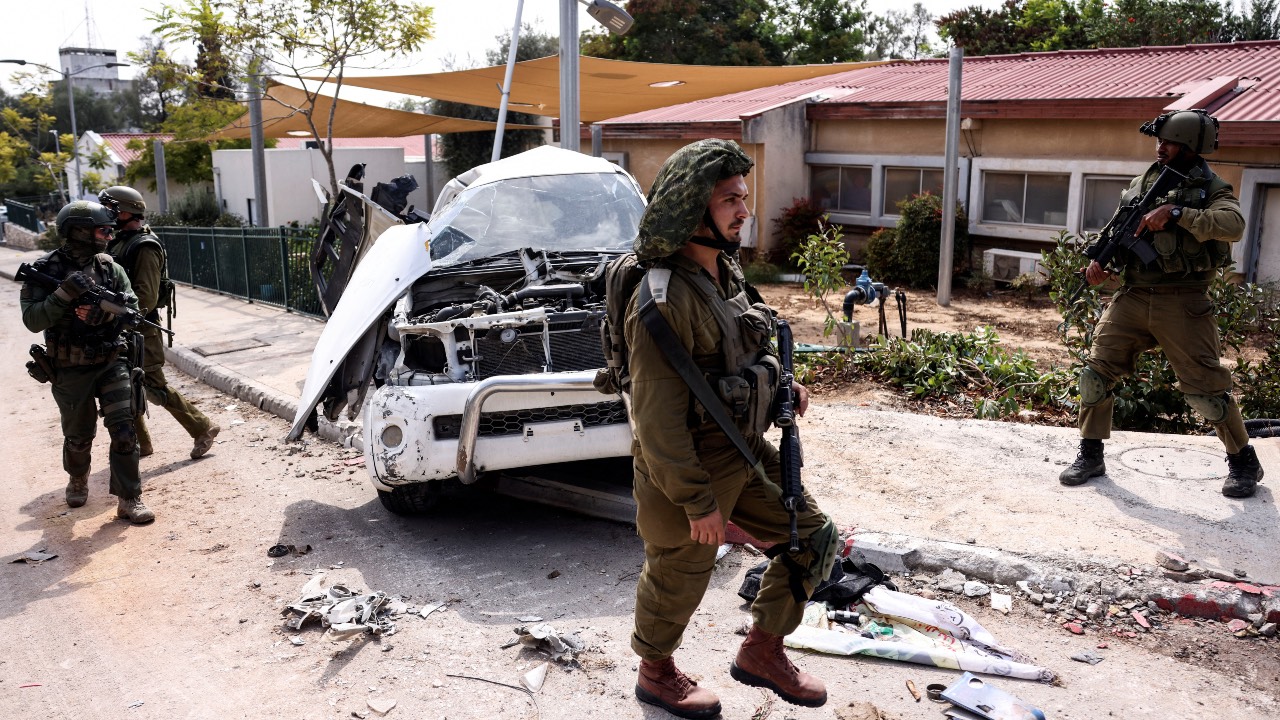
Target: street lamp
(617, 20)
(71, 97)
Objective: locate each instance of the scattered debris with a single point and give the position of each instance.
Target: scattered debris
(934, 692)
(279, 551)
(437, 683)
(382, 706)
(529, 618)
(535, 678)
(973, 588)
(911, 688)
(135, 704)
(297, 640)
(1088, 656)
(30, 685)
(862, 711)
(343, 611)
(34, 557)
(428, 609)
(1268, 630)
(1074, 628)
(1140, 619)
(984, 700)
(561, 648)
(1171, 561)
(553, 574)
(1001, 602)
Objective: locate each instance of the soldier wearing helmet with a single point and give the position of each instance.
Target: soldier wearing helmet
(689, 478)
(142, 255)
(88, 355)
(1166, 304)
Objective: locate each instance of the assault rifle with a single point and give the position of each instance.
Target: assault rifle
(110, 301)
(789, 450)
(1121, 232)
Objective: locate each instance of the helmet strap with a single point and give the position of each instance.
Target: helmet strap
(720, 242)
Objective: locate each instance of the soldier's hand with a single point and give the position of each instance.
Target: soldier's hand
(1095, 273)
(75, 284)
(708, 530)
(93, 315)
(1155, 220)
(802, 397)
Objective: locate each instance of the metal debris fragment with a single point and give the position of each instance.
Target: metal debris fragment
(34, 557)
(535, 678)
(428, 609)
(342, 610)
(561, 648)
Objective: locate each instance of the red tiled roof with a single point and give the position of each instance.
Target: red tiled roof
(1156, 75)
(119, 143)
(414, 145)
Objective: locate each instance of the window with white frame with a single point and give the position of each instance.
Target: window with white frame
(841, 188)
(1020, 198)
(902, 184)
(1101, 198)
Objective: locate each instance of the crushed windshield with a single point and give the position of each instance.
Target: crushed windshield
(594, 211)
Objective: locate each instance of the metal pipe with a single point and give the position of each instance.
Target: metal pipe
(75, 136)
(506, 86)
(162, 175)
(257, 144)
(569, 115)
(469, 428)
(950, 180)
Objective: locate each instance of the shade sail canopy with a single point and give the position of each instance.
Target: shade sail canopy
(607, 88)
(280, 118)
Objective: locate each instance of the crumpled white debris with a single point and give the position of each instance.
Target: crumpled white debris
(343, 611)
(561, 648)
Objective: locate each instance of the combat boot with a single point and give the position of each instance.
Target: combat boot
(204, 441)
(134, 510)
(1243, 476)
(78, 490)
(762, 662)
(1088, 464)
(145, 448)
(662, 684)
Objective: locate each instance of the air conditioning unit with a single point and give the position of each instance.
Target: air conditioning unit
(1006, 265)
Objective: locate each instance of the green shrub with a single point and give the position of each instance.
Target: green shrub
(821, 256)
(759, 272)
(796, 223)
(909, 252)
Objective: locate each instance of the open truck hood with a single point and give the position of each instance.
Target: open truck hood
(399, 257)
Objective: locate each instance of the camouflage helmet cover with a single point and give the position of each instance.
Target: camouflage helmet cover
(680, 194)
(123, 198)
(83, 214)
(1196, 129)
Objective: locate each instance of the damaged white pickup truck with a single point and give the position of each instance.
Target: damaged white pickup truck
(479, 334)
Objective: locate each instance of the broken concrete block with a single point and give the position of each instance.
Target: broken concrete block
(1001, 602)
(1268, 630)
(973, 588)
(1171, 561)
(889, 559)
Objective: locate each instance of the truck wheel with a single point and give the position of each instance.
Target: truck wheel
(414, 499)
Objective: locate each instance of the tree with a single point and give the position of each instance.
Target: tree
(311, 42)
(161, 81)
(188, 158)
(825, 31)
(29, 161)
(463, 151)
(900, 34)
(695, 32)
(1260, 22)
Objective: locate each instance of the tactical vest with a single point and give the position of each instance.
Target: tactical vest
(126, 254)
(71, 342)
(1179, 252)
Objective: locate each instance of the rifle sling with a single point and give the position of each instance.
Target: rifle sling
(683, 363)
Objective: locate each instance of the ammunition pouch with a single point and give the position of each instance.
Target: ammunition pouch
(749, 396)
(39, 366)
(137, 352)
(74, 352)
(167, 289)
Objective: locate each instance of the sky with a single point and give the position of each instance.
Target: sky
(464, 29)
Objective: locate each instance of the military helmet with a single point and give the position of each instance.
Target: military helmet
(83, 214)
(123, 198)
(679, 197)
(1196, 129)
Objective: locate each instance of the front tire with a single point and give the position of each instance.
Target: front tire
(413, 500)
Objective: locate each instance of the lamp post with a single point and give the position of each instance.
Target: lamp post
(71, 98)
(606, 13)
(57, 148)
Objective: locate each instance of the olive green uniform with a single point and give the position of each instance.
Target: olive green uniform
(1167, 305)
(686, 468)
(142, 256)
(91, 372)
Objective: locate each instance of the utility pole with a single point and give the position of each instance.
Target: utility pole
(506, 86)
(946, 253)
(569, 132)
(257, 144)
(162, 176)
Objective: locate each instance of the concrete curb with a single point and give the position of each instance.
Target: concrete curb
(343, 432)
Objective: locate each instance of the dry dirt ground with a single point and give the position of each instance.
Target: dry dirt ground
(182, 618)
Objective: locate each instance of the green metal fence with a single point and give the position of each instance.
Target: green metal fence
(267, 265)
(23, 215)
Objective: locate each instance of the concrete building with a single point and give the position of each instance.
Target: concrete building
(101, 80)
(1048, 139)
(120, 150)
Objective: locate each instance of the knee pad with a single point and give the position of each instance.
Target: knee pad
(78, 447)
(1212, 407)
(124, 439)
(1093, 387)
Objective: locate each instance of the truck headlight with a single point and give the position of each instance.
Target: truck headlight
(392, 436)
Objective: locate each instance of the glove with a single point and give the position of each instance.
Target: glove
(76, 283)
(95, 315)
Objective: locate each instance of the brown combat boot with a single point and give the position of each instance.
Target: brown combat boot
(78, 490)
(134, 510)
(762, 662)
(661, 683)
(145, 448)
(204, 441)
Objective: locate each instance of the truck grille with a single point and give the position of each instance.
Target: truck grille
(575, 347)
(494, 424)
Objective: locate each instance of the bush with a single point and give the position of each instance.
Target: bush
(759, 272)
(821, 256)
(909, 252)
(797, 222)
(1149, 400)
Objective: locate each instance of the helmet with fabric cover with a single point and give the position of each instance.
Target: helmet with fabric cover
(122, 198)
(1196, 129)
(680, 194)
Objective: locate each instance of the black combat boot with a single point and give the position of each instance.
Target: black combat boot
(1088, 464)
(1244, 475)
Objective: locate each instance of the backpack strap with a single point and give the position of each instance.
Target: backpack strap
(653, 291)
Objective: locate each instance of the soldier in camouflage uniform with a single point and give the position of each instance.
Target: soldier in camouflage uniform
(1167, 304)
(689, 478)
(139, 251)
(87, 354)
